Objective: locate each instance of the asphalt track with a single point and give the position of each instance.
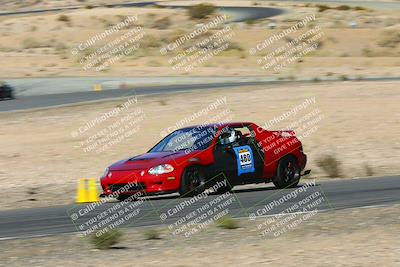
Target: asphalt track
(337, 194)
(237, 14)
(50, 100)
(24, 102)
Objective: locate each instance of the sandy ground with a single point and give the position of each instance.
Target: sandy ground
(352, 237)
(44, 153)
(42, 44)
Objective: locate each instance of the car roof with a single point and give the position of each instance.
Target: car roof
(220, 125)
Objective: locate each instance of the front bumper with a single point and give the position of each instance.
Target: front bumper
(131, 182)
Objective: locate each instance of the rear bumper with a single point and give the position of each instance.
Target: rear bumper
(303, 164)
(302, 161)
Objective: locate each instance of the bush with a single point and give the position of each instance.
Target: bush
(234, 46)
(343, 7)
(63, 18)
(175, 35)
(152, 234)
(150, 41)
(367, 52)
(322, 8)
(105, 240)
(369, 171)
(390, 39)
(201, 11)
(359, 8)
(330, 165)
(227, 222)
(60, 47)
(162, 23)
(30, 43)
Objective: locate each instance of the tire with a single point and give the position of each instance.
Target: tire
(192, 181)
(287, 173)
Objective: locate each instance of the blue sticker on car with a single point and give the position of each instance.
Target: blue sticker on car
(244, 158)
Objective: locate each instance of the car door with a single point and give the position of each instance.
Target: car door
(225, 163)
(241, 162)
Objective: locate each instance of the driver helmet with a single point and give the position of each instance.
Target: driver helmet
(228, 137)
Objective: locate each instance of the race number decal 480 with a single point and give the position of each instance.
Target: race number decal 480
(245, 162)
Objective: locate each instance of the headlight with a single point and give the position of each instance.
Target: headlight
(105, 173)
(161, 169)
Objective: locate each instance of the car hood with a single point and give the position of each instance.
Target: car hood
(148, 160)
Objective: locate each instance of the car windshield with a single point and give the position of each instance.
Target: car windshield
(187, 139)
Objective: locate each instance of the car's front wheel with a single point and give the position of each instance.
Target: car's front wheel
(192, 181)
(287, 173)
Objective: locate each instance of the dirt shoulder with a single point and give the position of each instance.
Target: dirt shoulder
(354, 237)
(43, 45)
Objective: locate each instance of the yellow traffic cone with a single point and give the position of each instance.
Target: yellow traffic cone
(97, 87)
(92, 195)
(81, 194)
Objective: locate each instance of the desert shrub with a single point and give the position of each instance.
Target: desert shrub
(316, 79)
(369, 171)
(330, 165)
(291, 77)
(329, 74)
(153, 63)
(150, 41)
(390, 39)
(359, 8)
(89, 6)
(175, 35)
(162, 23)
(251, 21)
(227, 222)
(234, 46)
(60, 47)
(322, 8)
(63, 18)
(152, 234)
(366, 52)
(105, 240)
(30, 43)
(201, 11)
(344, 77)
(343, 7)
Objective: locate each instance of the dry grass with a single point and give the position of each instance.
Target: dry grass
(330, 164)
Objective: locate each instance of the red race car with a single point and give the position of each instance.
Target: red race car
(192, 159)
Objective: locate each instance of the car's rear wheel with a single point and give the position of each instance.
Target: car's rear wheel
(192, 181)
(287, 173)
